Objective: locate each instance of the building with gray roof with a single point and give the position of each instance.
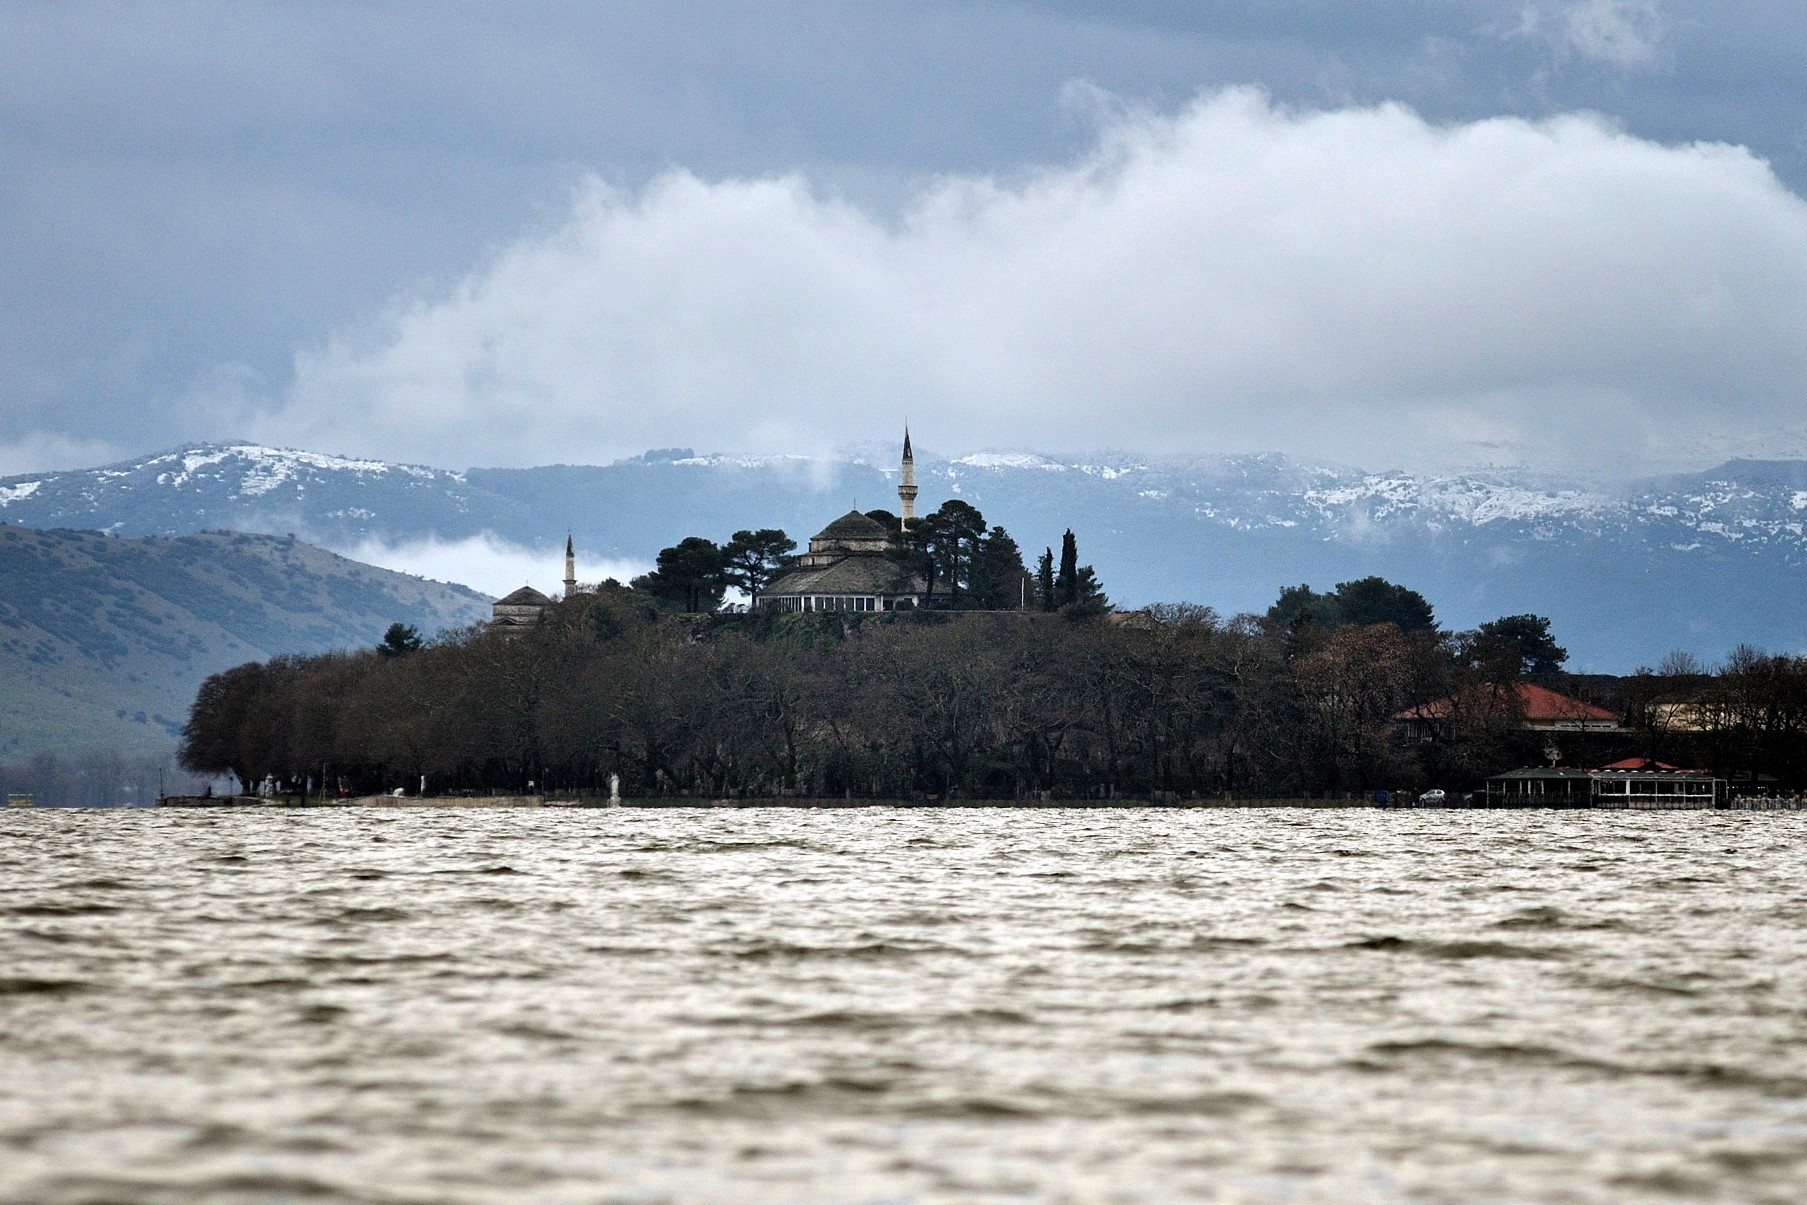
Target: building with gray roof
(850, 565)
(525, 608)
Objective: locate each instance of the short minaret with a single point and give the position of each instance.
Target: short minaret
(906, 487)
(570, 567)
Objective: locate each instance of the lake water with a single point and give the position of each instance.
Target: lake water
(902, 1006)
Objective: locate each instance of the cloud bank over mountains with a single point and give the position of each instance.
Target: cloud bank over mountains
(194, 191)
(1358, 284)
(488, 563)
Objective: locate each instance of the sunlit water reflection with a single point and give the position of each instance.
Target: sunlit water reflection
(902, 1005)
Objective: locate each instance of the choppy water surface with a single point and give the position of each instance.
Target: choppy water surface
(897, 1005)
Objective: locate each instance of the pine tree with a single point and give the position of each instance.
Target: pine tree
(966, 531)
(1088, 596)
(400, 640)
(1066, 586)
(997, 573)
(950, 539)
(753, 559)
(689, 577)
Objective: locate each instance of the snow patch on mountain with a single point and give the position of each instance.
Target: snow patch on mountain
(1470, 501)
(721, 460)
(13, 493)
(264, 469)
(1010, 460)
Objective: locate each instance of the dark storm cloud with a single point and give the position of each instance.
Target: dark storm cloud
(193, 192)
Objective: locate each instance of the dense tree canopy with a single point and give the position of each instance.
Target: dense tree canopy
(998, 581)
(692, 575)
(1521, 645)
(752, 560)
(1000, 704)
(400, 640)
(1361, 603)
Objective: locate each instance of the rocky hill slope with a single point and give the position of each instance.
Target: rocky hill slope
(103, 640)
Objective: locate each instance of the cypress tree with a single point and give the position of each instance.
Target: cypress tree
(1044, 580)
(1066, 586)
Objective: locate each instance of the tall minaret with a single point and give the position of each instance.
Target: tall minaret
(906, 487)
(570, 568)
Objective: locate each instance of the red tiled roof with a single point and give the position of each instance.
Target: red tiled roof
(1644, 765)
(1541, 703)
(1538, 703)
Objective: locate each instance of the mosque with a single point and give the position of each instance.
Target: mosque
(527, 607)
(847, 568)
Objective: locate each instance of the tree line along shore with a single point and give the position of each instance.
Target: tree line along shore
(1068, 702)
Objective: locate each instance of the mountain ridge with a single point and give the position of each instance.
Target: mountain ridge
(1479, 496)
(1702, 560)
(104, 639)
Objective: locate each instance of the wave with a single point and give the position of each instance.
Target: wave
(20, 985)
(350, 915)
(1213, 941)
(1457, 949)
(187, 1190)
(321, 1014)
(61, 909)
(848, 1019)
(1528, 1053)
(836, 1095)
(1695, 1074)
(463, 870)
(1200, 1104)
(757, 950)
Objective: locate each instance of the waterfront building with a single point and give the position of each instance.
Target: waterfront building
(1641, 788)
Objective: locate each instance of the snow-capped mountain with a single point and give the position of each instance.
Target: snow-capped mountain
(1701, 561)
(246, 487)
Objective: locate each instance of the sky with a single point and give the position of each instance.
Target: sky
(1397, 233)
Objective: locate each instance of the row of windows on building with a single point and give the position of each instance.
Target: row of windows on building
(828, 602)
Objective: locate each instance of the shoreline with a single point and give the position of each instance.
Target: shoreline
(668, 803)
(453, 802)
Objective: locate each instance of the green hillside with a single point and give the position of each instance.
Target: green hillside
(103, 641)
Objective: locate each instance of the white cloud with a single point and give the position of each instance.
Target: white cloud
(44, 451)
(487, 564)
(1619, 33)
(1358, 283)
